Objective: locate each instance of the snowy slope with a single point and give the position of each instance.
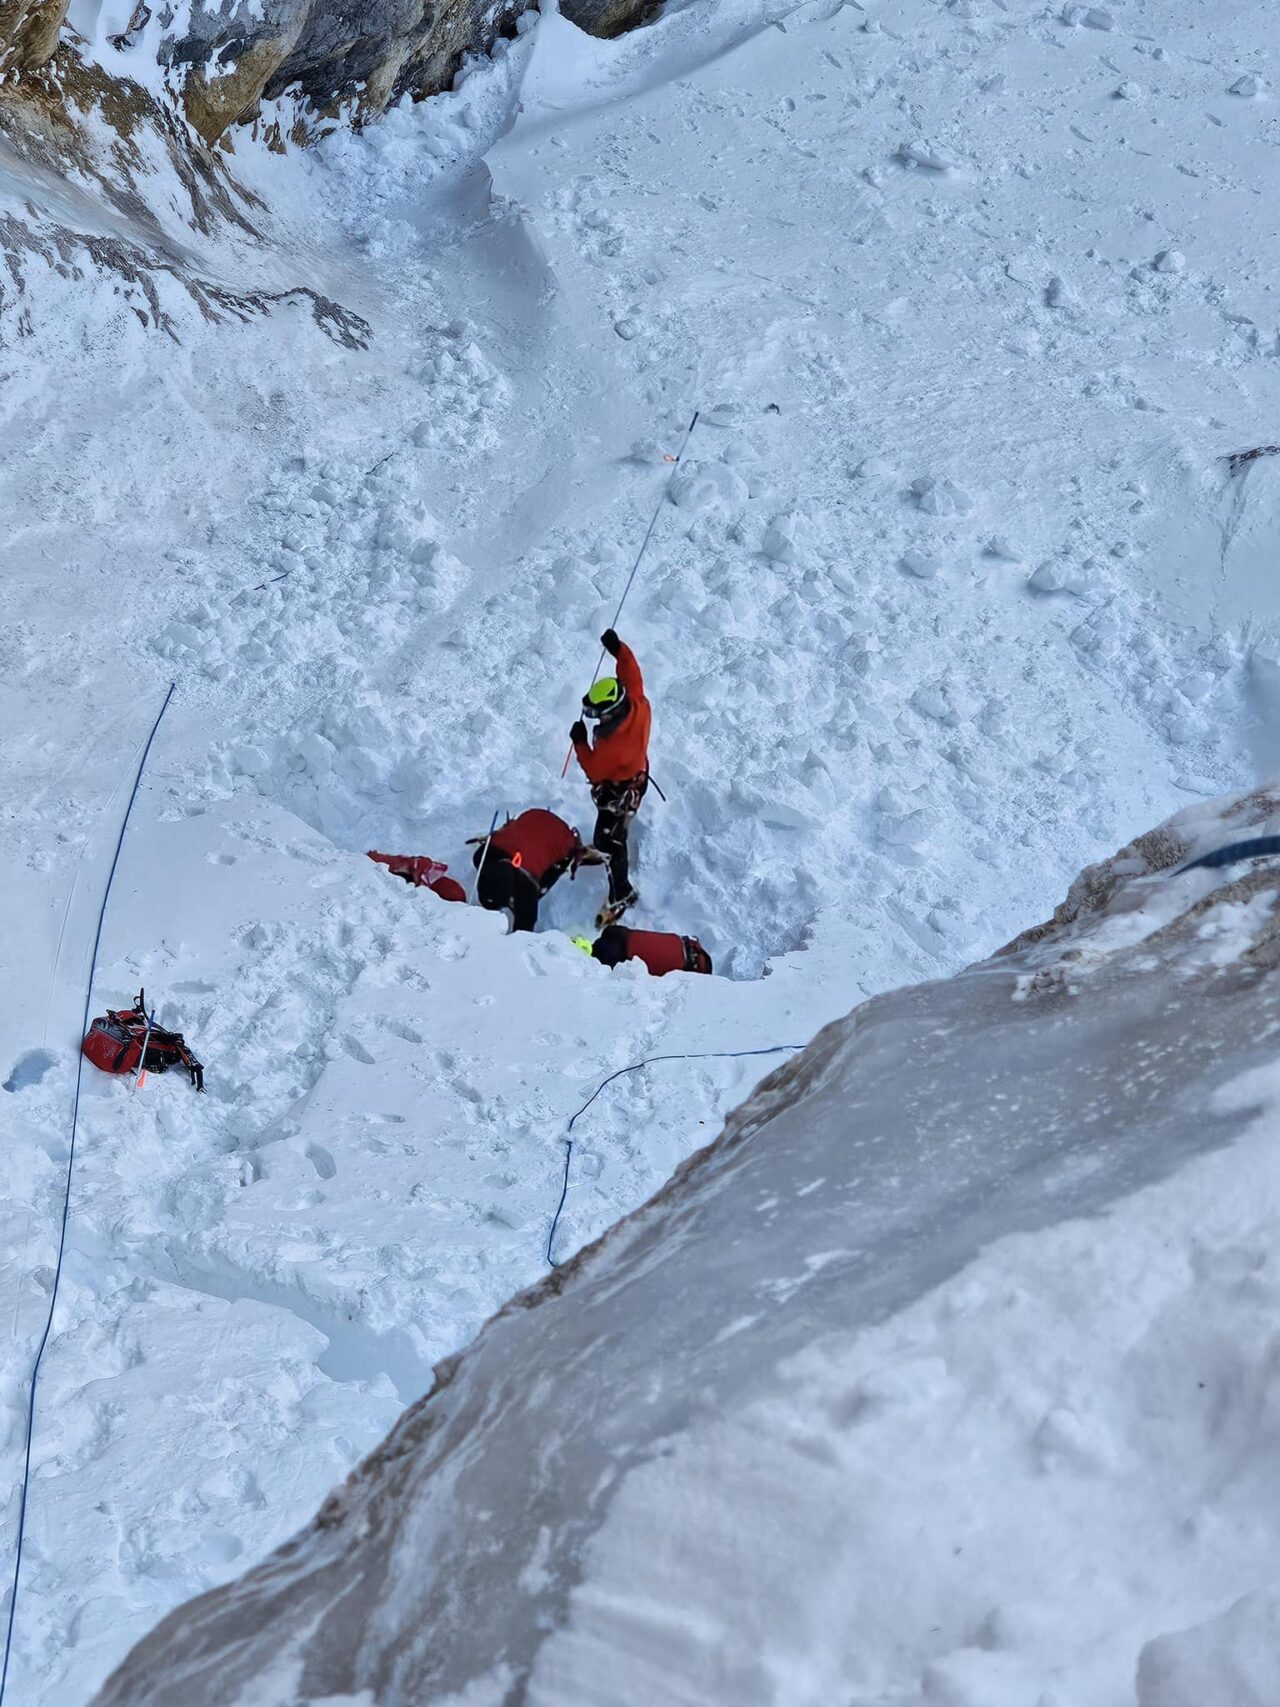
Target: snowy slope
(799, 1431)
(893, 718)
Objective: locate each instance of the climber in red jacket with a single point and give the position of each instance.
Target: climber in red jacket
(616, 765)
(519, 863)
(660, 951)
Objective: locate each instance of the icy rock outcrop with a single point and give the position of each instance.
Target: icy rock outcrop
(100, 181)
(642, 1455)
(228, 56)
(29, 32)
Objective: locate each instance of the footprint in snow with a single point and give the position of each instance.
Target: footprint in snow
(322, 1161)
(399, 1028)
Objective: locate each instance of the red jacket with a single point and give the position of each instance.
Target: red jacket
(624, 751)
(660, 951)
(538, 839)
(423, 873)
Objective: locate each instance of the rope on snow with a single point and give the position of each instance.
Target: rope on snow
(1240, 459)
(644, 546)
(66, 1203)
(1234, 853)
(706, 1055)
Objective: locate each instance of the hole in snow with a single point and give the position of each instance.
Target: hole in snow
(29, 1069)
(686, 866)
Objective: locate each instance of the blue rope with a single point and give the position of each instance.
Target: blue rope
(66, 1202)
(1236, 852)
(707, 1055)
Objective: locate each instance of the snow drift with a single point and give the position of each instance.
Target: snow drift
(764, 1441)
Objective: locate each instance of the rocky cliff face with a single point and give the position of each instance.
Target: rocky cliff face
(100, 178)
(224, 60)
(100, 182)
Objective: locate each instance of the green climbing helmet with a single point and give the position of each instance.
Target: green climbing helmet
(583, 942)
(604, 699)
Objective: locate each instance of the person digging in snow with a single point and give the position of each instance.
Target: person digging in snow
(519, 863)
(659, 952)
(616, 765)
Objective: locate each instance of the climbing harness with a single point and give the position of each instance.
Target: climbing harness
(644, 546)
(66, 1208)
(649, 1061)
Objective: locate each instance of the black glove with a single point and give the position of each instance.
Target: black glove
(578, 733)
(609, 640)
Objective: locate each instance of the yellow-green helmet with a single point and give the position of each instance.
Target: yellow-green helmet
(582, 942)
(605, 700)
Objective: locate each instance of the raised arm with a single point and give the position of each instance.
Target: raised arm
(628, 668)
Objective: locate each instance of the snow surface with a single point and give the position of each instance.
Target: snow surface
(923, 1383)
(955, 596)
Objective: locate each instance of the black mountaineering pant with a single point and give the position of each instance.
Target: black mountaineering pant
(504, 884)
(616, 805)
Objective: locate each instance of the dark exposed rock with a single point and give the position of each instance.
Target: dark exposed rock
(336, 56)
(40, 123)
(362, 53)
(29, 32)
(105, 174)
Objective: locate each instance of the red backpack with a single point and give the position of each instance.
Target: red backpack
(128, 1042)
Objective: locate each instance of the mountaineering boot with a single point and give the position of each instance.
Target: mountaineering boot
(612, 911)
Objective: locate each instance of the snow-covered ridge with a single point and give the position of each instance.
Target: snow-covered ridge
(703, 1461)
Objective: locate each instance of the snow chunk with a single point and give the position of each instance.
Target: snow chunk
(1059, 294)
(936, 701)
(999, 546)
(921, 155)
(1055, 577)
(249, 761)
(901, 823)
(1249, 87)
(940, 497)
(920, 563)
(1170, 261)
(648, 450)
(780, 538)
(1092, 17)
(704, 485)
